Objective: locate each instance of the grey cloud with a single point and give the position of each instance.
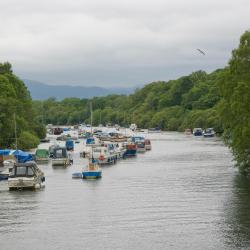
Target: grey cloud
(118, 42)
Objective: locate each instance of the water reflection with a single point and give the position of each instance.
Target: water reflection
(237, 214)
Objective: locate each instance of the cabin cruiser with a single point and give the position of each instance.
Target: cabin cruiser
(197, 131)
(61, 157)
(26, 176)
(105, 154)
(209, 132)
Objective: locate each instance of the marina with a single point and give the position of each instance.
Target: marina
(165, 196)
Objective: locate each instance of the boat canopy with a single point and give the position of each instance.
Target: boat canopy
(60, 152)
(27, 169)
(90, 141)
(69, 143)
(44, 153)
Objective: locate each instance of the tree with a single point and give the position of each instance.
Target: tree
(235, 103)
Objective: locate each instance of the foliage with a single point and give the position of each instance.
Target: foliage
(15, 104)
(27, 140)
(235, 102)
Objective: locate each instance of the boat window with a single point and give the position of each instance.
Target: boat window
(20, 171)
(30, 172)
(59, 153)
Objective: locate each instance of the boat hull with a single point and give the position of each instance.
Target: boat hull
(91, 174)
(24, 183)
(130, 152)
(60, 162)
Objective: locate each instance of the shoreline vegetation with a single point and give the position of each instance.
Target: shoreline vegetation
(220, 99)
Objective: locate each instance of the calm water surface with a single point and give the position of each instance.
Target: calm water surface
(184, 194)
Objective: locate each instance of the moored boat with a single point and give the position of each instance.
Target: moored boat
(69, 144)
(197, 132)
(131, 150)
(209, 132)
(154, 130)
(60, 157)
(93, 170)
(148, 144)
(42, 156)
(26, 176)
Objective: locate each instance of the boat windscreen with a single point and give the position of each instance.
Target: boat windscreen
(20, 171)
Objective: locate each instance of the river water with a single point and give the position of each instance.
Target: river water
(183, 194)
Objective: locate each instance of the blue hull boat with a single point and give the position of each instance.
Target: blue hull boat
(91, 174)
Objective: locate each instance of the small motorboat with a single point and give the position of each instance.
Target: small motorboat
(148, 144)
(61, 157)
(93, 170)
(154, 130)
(209, 132)
(26, 176)
(77, 175)
(131, 150)
(197, 132)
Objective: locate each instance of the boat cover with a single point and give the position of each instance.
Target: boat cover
(5, 151)
(43, 153)
(22, 156)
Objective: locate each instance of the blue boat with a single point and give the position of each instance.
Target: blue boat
(197, 132)
(69, 145)
(93, 171)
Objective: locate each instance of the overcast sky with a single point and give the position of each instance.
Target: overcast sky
(118, 43)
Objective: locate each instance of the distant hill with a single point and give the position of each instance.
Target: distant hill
(41, 91)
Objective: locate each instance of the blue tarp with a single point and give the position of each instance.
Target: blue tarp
(90, 141)
(5, 151)
(69, 144)
(22, 156)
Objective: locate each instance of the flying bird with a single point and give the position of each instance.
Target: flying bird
(202, 52)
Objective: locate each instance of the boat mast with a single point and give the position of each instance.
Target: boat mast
(91, 116)
(15, 129)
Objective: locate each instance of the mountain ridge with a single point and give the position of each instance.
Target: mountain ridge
(42, 91)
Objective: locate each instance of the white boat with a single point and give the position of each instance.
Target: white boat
(133, 127)
(104, 154)
(26, 176)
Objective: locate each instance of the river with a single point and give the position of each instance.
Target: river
(183, 194)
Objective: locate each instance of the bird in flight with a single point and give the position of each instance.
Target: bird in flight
(202, 52)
